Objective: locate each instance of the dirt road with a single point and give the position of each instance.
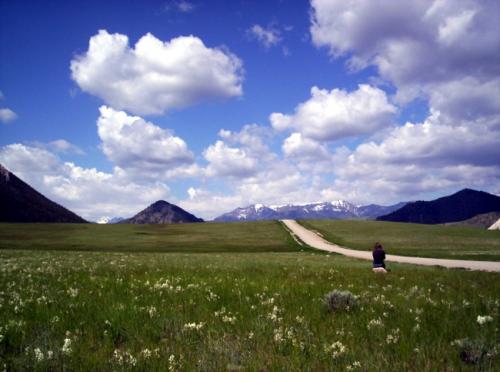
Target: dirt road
(314, 240)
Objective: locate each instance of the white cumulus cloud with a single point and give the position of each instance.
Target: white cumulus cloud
(224, 160)
(336, 114)
(155, 76)
(304, 148)
(415, 45)
(133, 143)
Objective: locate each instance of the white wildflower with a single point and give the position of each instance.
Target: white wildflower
(274, 315)
(152, 311)
(193, 326)
(393, 338)
(146, 353)
(484, 319)
(278, 335)
(173, 364)
(353, 366)
(39, 357)
(66, 348)
(229, 319)
(336, 349)
(374, 323)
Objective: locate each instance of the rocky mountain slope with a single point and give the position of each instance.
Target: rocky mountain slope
(19, 202)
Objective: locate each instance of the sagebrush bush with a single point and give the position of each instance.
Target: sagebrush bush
(340, 301)
(474, 351)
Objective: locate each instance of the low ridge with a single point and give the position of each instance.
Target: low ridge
(460, 206)
(162, 212)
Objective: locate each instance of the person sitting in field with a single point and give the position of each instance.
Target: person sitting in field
(378, 258)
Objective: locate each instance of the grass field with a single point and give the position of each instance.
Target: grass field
(246, 310)
(265, 236)
(412, 239)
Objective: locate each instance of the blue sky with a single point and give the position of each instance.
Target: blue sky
(387, 122)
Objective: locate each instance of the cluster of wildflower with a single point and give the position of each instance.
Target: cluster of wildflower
(124, 358)
(274, 315)
(278, 335)
(38, 355)
(148, 354)
(174, 363)
(194, 326)
(393, 337)
(163, 284)
(374, 323)
(354, 365)
(66, 348)
(336, 349)
(267, 301)
(226, 316)
(212, 296)
(484, 319)
(72, 292)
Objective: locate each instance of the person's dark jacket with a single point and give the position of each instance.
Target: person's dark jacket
(378, 258)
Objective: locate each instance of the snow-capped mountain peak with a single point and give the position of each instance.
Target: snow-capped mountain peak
(336, 209)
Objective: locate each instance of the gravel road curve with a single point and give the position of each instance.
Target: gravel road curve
(312, 239)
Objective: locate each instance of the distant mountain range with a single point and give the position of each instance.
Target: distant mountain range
(19, 202)
(109, 220)
(162, 212)
(460, 206)
(339, 209)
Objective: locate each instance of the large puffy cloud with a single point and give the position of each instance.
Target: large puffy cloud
(224, 160)
(443, 51)
(336, 114)
(155, 76)
(468, 99)
(298, 146)
(86, 191)
(415, 45)
(240, 154)
(416, 159)
(133, 143)
(433, 144)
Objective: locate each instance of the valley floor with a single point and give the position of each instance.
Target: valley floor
(247, 310)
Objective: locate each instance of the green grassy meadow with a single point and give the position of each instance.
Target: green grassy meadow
(74, 308)
(438, 241)
(265, 236)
